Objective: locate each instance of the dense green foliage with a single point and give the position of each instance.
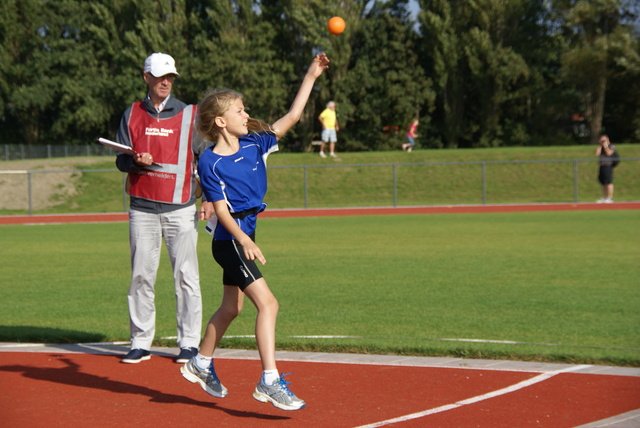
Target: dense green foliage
(563, 286)
(478, 73)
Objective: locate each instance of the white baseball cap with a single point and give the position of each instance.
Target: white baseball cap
(159, 64)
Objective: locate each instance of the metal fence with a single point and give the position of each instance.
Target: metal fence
(344, 185)
(41, 151)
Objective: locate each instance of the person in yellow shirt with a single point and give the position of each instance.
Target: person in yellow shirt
(329, 122)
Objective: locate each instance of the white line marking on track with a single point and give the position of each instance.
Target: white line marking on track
(443, 339)
(22, 345)
(520, 385)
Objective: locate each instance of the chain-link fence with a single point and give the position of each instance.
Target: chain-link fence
(22, 152)
(341, 185)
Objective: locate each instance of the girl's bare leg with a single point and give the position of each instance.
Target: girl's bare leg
(230, 308)
(265, 330)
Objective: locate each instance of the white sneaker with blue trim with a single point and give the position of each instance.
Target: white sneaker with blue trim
(278, 394)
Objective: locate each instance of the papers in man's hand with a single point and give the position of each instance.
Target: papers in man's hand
(117, 146)
(128, 150)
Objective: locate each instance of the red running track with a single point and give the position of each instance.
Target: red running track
(87, 390)
(325, 212)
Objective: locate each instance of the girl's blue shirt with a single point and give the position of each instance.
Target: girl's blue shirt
(239, 179)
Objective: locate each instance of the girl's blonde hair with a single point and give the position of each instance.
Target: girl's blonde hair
(217, 102)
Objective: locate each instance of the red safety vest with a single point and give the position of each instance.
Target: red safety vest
(169, 142)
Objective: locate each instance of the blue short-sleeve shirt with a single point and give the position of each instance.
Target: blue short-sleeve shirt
(239, 179)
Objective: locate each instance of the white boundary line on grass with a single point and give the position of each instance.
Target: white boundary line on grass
(515, 387)
(321, 336)
(440, 339)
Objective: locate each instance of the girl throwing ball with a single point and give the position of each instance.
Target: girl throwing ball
(233, 176)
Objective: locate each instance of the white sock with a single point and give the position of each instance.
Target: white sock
(270, 376)
(203, 362)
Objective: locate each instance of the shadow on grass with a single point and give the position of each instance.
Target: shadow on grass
(22, 334)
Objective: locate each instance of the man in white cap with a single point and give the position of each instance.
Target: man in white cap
(162, 185)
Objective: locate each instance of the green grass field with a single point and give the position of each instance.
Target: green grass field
(562, 285)
(423, 177)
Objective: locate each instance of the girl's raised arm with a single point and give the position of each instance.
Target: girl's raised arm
(319, 64)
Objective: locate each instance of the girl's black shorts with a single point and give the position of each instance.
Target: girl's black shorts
(236, 269)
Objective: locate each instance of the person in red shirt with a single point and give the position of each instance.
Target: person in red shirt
(411, 136)
(162, 185)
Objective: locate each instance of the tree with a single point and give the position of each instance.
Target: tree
(537, 111)
(601, 44)
(476, 68)
(305, 29)
(244, 57)
(374, 75)
(442, 53)
(385, 82)
(477, 72)
(23, 96)
(498, 70)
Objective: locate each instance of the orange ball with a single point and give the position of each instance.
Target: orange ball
(336, 25)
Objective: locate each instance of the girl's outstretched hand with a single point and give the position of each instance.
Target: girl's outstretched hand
(319, 64)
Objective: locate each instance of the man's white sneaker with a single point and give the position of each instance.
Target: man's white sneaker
(322, 155)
